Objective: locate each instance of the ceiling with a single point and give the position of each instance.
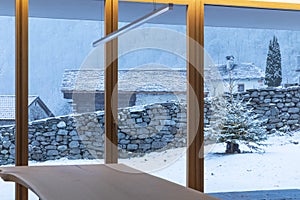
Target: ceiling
(128, 11)
(93, 10)
(252, 18)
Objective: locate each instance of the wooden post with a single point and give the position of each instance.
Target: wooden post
(195, 97)
(21, 158)
(111, 80)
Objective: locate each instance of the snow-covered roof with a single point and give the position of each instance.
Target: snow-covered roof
(7, 106)
(238, 71)
(148, 80)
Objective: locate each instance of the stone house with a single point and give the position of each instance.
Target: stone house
(36, 108)
(241, 76)
(85, 88)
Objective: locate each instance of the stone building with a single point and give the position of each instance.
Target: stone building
(85, 88)
(36, 108)
(242, 76)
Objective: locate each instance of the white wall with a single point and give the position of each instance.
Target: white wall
(219, 88)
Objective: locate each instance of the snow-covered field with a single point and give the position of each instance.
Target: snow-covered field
(277, 168)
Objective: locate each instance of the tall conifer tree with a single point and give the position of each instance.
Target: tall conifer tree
(273, 73)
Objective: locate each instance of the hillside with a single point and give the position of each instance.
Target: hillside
(56, 45)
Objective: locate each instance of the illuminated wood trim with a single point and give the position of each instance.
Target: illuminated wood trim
(195, 97)
(21, 159)
(178, 2)
(111, 80)
(254, 4)
(239, 3)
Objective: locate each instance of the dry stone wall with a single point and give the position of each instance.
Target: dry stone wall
(141, 129)
(280, 107)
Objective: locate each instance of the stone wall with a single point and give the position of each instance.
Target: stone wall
(279, 106)
(141, 129)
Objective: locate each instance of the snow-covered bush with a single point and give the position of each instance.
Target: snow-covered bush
(233, 122)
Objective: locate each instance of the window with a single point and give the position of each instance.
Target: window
(241, 87)
(153, 70)
(7, 92)
(266, 61)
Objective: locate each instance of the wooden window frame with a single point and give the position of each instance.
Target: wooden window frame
(21, 79)
(195, 140)
(195, 30)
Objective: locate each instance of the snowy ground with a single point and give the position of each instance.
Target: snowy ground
(277, 168)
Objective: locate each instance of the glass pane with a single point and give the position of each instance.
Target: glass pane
(7, 94)
(252, 119)
(152, 92)
(65, 121)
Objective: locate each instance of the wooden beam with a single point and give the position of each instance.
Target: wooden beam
(175, 2)
(111, 80)
(21, 71)
(195, 98)
(240, 3)
(255, 4)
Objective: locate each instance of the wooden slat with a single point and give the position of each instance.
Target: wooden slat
(195, 99)
(21, 91)
(111, 79)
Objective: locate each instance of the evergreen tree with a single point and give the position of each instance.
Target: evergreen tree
(234, 123)
(273, 73)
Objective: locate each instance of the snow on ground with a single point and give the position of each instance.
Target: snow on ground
(277, 168)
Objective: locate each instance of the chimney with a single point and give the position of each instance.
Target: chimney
(230, 62)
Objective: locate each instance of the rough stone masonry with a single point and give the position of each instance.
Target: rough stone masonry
(141, 129)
